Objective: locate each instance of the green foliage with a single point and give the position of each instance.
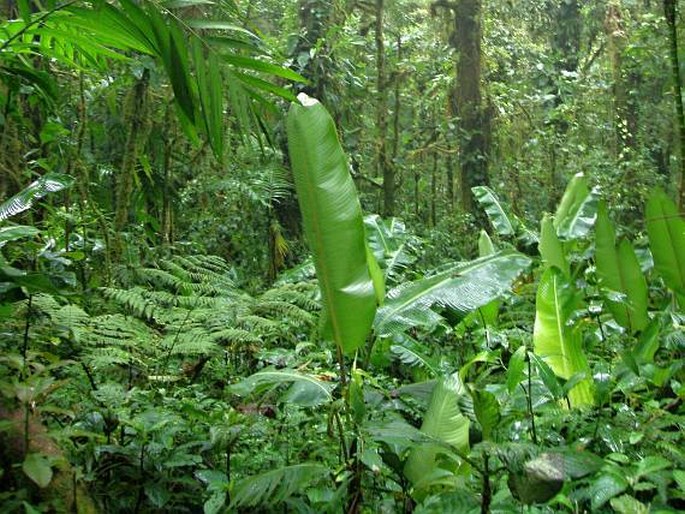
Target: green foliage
(333, 225)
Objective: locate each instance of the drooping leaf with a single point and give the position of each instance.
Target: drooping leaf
(618, 271)
(577, 210)
(38, 469)
(501, 222)
(516, 370)
(444, 422)
(551, 249)
(276, 486)
(22, 201)
(666, 231)
(333, 224)
(555, 340)
(304, 390)
(463, 288)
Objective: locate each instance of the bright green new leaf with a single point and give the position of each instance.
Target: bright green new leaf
(444, 422)
(493, 208)
(485, 245)
(577, 210)
(516, 369)
(555, 341)
(333, 224)
(619, 271)
(551, 249)
(666, 230)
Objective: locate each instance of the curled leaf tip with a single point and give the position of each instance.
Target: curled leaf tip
(306, 100)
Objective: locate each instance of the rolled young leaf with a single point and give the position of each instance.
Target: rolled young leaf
(333, 224)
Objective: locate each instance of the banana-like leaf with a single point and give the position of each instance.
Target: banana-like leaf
(23, 200)
(551, 249)
(462, 288)
(333, 224)
(619, 271)
(443, 422)
(304, 390)
(577, 210)
(485, 245)
(275, 486)
(666, 231)
(555, 341)
(499, 218)
(8, 234)
(390, 244)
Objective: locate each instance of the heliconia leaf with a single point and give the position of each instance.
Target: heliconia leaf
(485, 245)
(493, 208)
(555, 341)
(444, 422)
(275, 486)
(516, 369)
(619, 272)
(333, 224)
(24, 200)
(551, 249)
(577, 210)
(13, 233)
(388, 240)
(487, 411)
(462, 288)
(305, 390)
(666, 231)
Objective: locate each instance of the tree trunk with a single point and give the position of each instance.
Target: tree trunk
(383, 165)
(670, 13)
(474, 122)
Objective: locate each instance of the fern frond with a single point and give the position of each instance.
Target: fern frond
(133, 299)
(284, 309)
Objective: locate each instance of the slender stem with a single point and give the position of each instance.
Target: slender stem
(487, 489)
(530, 405)
(27, 326)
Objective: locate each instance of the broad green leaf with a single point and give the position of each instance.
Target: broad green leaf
(304, 390)
(38, 469)
(487, 411)
(577, 210)
(609, 484)
(388, 241)
(274, 487)
(619, 271)
(444, 422)
(13, 233)
(516, 370)
(49, 183)
(666, 231)
(462, 288)
(333, 224)
(485, 246)
(626, 504)
(493, 208)
(550, 247)
(555, 341)
(547, 376)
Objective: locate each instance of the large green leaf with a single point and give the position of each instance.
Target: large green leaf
(275, 486)
(555, 340)
(462, 288)
(666, 230)
(390, 244)
(333, 224)
(551, 248)
(619, 272)
(23, 200)
(443, 422)
(305, 390)
(577, 210)
(493, 208)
